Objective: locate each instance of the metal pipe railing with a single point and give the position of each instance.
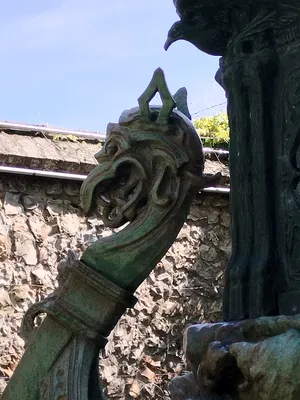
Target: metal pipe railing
(44, 129)
(77, 177)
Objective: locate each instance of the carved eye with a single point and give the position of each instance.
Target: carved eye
(111, 149)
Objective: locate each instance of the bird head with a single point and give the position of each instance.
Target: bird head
(207, 34)
(177, 32)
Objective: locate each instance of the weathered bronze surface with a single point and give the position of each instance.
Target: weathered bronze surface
(259, 42)
(215, 25)
(246, 360)
(150, 168)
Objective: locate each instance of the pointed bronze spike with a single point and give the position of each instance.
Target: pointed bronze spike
(181, 100)
(157, 85)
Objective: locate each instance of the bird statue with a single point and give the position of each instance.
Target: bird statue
(211, 24)
(200, 25)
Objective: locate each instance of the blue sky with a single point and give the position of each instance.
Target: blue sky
(78, 64)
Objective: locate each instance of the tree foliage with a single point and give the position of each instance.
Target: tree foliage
(213, 130)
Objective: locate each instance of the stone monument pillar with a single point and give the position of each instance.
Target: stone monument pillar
(259, 45)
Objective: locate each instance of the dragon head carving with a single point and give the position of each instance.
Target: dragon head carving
(146, 156)
(150, 168)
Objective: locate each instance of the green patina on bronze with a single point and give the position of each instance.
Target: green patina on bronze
(150, 168)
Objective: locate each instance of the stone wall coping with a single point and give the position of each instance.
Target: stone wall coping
(37, 147)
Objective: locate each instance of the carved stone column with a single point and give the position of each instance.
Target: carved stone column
(259, 42)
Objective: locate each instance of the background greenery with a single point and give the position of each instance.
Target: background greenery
(213, 130)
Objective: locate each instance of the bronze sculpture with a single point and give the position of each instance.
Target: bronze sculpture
(150, 168)
(259, 43)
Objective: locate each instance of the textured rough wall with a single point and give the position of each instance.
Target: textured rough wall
(40, 220)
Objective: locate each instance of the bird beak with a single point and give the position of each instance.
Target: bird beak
(168, 43)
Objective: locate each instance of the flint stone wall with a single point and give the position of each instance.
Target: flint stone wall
(40, 220)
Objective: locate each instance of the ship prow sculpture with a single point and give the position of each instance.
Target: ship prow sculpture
(150, 169)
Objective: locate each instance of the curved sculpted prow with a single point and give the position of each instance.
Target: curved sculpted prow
(153, 159)
(150, 168)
